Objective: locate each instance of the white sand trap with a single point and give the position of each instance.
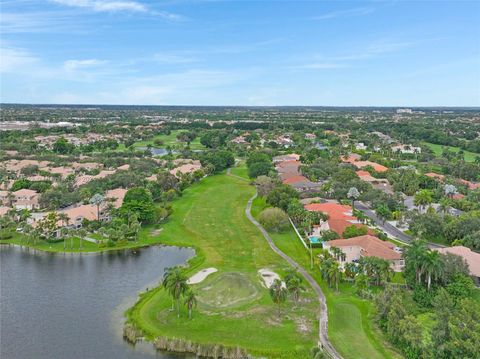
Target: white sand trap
(200, 276)
(269, 277)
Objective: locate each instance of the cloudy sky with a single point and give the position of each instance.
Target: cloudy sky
(194, 52)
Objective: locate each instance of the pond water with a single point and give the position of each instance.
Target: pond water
(71, 306)
(158, 151)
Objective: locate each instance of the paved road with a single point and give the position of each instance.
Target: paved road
(387, 227)
(323, 317)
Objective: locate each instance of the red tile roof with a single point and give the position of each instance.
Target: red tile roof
(377, 167)
(295, 179)
(435, 175)
(371, 246)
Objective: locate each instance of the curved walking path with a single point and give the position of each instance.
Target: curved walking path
(323, 317)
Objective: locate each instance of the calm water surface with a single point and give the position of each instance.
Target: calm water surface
(71, 306)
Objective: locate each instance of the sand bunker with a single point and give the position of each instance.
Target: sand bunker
(269, 277)
(200, 276)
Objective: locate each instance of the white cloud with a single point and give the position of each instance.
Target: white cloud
(105, 5)
(72, 65)
(13, 60)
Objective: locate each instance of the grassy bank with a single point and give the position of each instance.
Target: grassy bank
(350, 325)
(234, 308)
(147, 237)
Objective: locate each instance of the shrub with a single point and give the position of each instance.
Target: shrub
(274, 219)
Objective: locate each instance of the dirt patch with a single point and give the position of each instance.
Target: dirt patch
(156, 232)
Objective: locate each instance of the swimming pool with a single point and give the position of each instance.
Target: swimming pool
(314, 239)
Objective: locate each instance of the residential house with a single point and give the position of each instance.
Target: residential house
(360, 146)
(5, 198)
(378, 183)
(472, 259)
(367, 246)
(406, 149)
(340, 217)
(116, 195)
(377, 167)
(288, 157)
(4, 210)
(186, 168)
(25, 199)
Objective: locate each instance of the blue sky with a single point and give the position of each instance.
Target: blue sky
(174, 52)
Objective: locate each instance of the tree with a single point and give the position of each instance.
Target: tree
(464, 328)
(460, 287)
(353, 194)
(414, 257)
(383, 212)
(281, 196)
(62, 146)
(354, 231)
(48, 225)
(175, 282)
(423, 198)
(351, 270)
(64, 234)
(432, 266)
(97, 201)
(190, 301)
(278, 293)
(443, 307)
(264, 185)
(138, 201)
(450, 190)
(294, 285)
(334, 274)
(274, 219)
(82, 233)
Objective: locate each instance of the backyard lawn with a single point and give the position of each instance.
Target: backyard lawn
(233, 304)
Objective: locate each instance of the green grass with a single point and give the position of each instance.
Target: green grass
(210, 216)
(240, 170)
(145, 239)
(351, 327)
(170, 140)
(438, 149)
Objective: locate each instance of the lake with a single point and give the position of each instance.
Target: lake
(71, 305)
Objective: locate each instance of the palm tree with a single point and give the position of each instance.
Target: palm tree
(294, 286)
(423, 198)
(82, 233)
(415, 256)
(353, 194)
(432, 266)
(334, 274)
(97, 200)
(278, 293)
(190, 301)
(175, 282)
(64, 234)
(444, 205)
